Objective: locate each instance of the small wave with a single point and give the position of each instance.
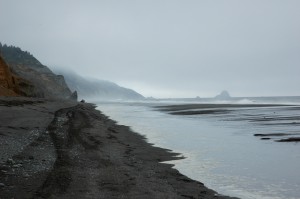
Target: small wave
(246, 101)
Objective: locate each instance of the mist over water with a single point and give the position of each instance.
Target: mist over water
(220, 149)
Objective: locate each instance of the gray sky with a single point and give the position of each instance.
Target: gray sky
(165, 48)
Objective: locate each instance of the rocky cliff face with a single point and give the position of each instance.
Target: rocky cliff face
(36, 80)
(8, 81)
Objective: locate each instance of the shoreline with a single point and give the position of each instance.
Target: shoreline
(67, 150)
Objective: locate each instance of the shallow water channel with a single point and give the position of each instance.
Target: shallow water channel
(221, 150)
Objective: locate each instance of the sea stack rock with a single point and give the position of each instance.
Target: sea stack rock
(224, 95)
(74, 96)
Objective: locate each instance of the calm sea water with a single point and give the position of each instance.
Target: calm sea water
(220, 149)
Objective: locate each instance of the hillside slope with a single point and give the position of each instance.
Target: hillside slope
(100, 89)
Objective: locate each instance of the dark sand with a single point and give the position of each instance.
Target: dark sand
(186, 107)
(52, 149)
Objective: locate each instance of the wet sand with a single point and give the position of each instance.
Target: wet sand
(211, 107)
(223, 109)
(52, 149)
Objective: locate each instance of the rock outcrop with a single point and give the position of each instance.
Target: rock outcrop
(74, 96)
(8, 81)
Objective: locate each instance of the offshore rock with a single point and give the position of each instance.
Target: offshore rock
(224, 95)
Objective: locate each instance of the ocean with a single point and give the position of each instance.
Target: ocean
(236, 149)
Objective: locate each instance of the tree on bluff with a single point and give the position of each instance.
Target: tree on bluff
(15, 55)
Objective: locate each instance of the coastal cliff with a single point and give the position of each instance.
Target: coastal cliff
(98, 89)
(33, 79)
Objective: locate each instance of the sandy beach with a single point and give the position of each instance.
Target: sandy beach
(63, 149)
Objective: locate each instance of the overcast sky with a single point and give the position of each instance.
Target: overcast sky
(165, 48)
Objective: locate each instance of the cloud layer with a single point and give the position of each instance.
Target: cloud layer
(165, 48)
